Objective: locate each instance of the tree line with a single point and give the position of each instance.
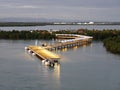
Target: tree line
(5, 24)
(110, 38)
(112, 44)
(16, 35)
(96, 34)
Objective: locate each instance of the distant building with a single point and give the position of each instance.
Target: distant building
(59, 23)
(91, 23)
(79, 23)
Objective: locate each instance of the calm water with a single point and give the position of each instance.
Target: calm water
(63, 27)
(84, 68)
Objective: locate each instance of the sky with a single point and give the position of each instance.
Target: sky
(90, 10)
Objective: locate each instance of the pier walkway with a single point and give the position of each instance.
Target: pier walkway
(48, 57)
(42, 53)
(74, 40)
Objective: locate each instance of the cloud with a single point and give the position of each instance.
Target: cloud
(29, 7)
(60, 3)
(8, 6)
(26, 7)
(75, 9)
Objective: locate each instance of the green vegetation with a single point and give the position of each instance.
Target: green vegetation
(110, 38)
(112, 44)
(5, 24)
(42, 34)
(101, 35)
(96, 34)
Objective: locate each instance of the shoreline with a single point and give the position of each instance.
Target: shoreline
(97, 35)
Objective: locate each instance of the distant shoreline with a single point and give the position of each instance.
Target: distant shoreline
(8, 24)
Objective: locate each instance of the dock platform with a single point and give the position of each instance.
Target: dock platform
(71, 41)
(50, 58)
(44, 54)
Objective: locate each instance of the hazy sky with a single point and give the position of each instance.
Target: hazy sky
(94, 10)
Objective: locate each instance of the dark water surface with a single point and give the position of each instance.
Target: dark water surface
(85, 68)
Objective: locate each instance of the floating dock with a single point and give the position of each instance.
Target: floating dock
(44, 54)
(50, 58)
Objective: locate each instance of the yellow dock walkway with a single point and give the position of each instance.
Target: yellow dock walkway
(49, 57)
(43, 53)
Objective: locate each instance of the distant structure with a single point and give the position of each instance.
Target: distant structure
(48, 57)
(73, 23)
(91, 23)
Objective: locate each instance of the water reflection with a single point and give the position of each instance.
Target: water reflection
(56, 72)
(28, 56)
(75, 48)
(88, 69)
(71, 48)
(51, 76)
(64, 49)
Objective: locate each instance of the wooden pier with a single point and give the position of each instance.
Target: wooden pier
(50, 58)
(74, 40)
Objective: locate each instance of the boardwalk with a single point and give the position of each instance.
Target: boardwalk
(76, 40)
(43, 53)
(48, 57)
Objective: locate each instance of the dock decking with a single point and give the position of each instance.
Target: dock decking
(45, 54)
(77, 40)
